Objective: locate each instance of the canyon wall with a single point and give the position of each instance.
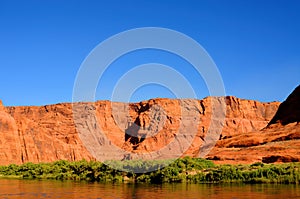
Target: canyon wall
(156, 128)
(279, 141)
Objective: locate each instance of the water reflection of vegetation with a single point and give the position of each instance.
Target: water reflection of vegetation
(192, 170)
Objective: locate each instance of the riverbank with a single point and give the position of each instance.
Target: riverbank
(190, 170)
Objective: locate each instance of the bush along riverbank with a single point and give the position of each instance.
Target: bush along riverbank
(191, 170)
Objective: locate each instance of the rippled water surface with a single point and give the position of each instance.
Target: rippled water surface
(11, 188)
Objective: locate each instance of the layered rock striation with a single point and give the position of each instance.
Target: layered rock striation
(156, 128)
(279, 141)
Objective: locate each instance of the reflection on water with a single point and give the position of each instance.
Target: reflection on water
(11, 188)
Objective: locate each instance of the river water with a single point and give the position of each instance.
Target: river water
(13, 188)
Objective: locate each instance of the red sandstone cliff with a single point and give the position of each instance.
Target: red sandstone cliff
(48, 133)
(278, 142)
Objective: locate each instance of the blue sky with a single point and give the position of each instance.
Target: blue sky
(255, 45)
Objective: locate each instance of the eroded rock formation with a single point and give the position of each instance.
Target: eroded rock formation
(279, 141)
(157, 128)
(289, 110)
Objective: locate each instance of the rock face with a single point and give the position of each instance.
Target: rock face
(289, 110)
(157, 128)
(39, 134)
(279, 141)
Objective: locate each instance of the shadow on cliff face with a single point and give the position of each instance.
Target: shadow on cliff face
(289, 110)
(133, 133)
(148, 123)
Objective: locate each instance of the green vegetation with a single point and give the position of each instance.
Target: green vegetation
(191, 170)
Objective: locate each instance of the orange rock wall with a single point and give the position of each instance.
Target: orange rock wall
(48, 133)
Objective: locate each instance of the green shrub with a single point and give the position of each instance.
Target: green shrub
(191, 170)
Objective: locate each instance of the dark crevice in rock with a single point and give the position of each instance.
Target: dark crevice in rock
(203, 107)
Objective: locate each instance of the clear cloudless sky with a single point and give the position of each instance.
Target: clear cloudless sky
(255, 44)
